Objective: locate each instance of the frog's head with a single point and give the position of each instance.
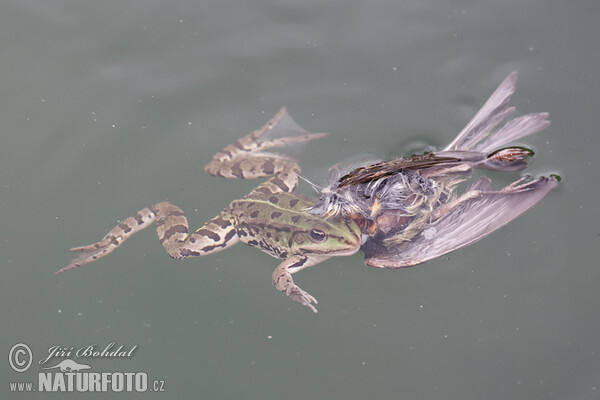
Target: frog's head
(320, 237)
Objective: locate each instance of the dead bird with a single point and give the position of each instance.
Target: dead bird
(408, 209)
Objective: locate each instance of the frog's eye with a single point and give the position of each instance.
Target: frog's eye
(317, 235)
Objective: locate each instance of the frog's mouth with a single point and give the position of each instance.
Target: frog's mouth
(348, 252)
(317, 258)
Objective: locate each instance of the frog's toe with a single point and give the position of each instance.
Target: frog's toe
(302, 297)
(92, 252)
(307, 302)
(92, 247)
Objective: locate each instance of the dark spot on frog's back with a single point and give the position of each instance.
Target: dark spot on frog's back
(293, 202)
(275, 215)
(274, 199)
(254, 214)
(295, 218)
(263, 190)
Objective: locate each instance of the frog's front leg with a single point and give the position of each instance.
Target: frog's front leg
(283, 281)
(172, 228)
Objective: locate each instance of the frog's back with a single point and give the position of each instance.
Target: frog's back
(269, 208)
(269, 221)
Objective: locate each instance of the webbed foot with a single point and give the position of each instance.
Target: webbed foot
(301, 296)
(112, 240)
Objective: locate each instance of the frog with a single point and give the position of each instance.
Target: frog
(272, 217)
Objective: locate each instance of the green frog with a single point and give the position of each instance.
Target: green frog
(271, 217)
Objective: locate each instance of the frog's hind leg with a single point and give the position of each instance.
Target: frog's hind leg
(113, 239)
(172, 228)
(248, 157)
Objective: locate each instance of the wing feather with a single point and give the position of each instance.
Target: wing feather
(468, 222)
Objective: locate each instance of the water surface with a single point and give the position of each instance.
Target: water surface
(108, 107)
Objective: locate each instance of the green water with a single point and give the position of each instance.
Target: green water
(108, 107)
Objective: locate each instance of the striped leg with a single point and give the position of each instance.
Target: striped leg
(172, 228)
(247, 158)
